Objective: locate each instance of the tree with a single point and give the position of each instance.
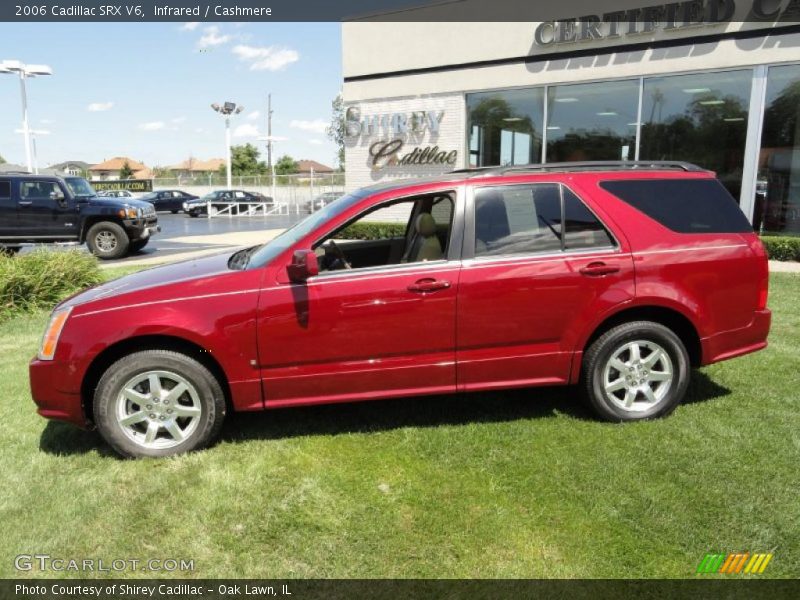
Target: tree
(336, 130)
(286, 165)
(244, 161)
(2, 160)
(126, 172)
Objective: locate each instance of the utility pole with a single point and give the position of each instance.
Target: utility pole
(269, 131)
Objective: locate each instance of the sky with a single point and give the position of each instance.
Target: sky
(144, 90)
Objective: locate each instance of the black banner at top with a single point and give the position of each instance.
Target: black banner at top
(683, 13)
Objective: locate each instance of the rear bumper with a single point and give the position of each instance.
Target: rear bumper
(730, 344)
(51, 402)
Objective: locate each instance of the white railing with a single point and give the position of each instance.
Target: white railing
(246, 209)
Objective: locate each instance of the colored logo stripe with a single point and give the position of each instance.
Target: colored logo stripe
(735, 562)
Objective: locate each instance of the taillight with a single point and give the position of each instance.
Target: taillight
(763, 293)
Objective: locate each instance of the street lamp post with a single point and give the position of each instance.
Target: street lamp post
(33, 133)
(226, 110)
(25, 72)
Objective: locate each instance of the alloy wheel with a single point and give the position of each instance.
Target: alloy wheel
(638, 376)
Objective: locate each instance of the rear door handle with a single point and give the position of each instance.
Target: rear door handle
(598, 269)
(428, 285)
(25, 202)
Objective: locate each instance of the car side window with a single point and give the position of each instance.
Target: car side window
(5, 189)
(411, 230)
(582, 228)
(517, 219)
(531, 219)
(38, 190)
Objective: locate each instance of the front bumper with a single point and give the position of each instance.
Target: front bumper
(52, 402)
(140, 229)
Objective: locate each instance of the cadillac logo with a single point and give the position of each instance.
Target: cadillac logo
(388, 154)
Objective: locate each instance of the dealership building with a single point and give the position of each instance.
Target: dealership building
(712, 82)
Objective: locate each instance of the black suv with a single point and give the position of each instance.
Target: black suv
(45, 209)
(230, 199)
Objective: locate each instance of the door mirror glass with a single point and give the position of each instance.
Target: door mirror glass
(57, 195)
(304, 265)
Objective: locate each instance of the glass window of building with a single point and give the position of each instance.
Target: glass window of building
(699, 118)
(592, 121)
(505, 127)
(777, 206)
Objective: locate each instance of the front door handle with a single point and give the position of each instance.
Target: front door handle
(428, 285)
(598, 269)
(25, 202)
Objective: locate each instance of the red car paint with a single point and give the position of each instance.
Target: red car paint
(358, 335)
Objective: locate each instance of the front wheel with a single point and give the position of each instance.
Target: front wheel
(174, 211)
(158, 403)
(638, 370)
(107, 240)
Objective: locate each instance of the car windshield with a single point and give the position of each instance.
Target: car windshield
(264, 254)
(150, 196)
(211, 196)
(79, 186)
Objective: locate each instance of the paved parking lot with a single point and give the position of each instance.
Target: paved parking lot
(185, 237)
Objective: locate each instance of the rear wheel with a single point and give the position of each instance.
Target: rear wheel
(174, 212)
(107, 240)
(636, 371)
(158, 403)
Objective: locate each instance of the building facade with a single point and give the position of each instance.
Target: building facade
(686, 86)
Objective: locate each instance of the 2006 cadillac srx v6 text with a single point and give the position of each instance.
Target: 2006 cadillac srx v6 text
(616, 277)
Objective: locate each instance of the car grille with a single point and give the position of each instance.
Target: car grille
(149, 211)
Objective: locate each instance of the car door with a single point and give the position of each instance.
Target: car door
(533, 274)
(361, 333)
(40, 210)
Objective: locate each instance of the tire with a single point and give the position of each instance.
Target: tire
(137, 245)
(9, 250)
(155, 430)
(616, 384)
(193, 214)
(174, 212)
(107, 240)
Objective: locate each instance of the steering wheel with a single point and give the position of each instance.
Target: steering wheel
(339, 254)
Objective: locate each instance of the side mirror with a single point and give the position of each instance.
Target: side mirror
(304, 265)
(58, 196)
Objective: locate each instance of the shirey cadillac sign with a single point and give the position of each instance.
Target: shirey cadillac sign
(393, 130)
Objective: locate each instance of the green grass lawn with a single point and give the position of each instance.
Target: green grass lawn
(511, 484)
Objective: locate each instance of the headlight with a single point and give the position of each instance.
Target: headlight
(128, 213)
(52, 333)
(185, 206)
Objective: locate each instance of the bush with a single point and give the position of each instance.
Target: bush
(373, 231)
(782, 247)
(42, 278)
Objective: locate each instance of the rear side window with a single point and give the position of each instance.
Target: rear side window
(5, 189)
(527, 219)
(683, 205)
(582, 228)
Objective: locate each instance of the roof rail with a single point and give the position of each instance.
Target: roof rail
(597, 165)
(15, 173)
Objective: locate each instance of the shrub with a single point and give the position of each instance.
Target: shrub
(782, 247)
(373, 231)
(42, 278)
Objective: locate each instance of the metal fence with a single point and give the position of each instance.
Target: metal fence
(295, 192)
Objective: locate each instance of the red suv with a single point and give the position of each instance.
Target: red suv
(618, 277)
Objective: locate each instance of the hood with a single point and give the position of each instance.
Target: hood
(119, 202)
(177, 273)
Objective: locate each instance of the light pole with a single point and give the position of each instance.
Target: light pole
(226, 110)
(24, 72)
(33, 133)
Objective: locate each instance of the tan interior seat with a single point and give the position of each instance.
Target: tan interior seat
(425, 245)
